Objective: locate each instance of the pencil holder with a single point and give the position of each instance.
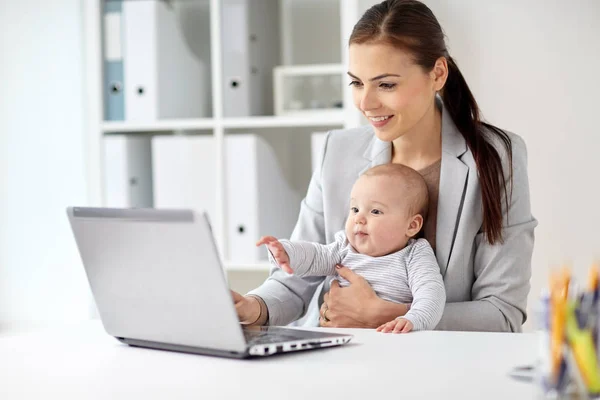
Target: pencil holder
(567, 322)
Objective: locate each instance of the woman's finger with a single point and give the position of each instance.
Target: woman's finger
(334, 286)
(323, 323)
(347, 274)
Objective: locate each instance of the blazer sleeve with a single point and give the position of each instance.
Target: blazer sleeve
(502, 271)
(287, 296)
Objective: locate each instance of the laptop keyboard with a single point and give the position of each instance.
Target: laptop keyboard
(260, 337)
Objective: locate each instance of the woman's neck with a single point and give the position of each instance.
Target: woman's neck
(422, 145)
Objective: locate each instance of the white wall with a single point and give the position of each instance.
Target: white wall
(533, 67)
(41, 161)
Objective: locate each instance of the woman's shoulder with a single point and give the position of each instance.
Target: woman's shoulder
(355, 140)
(343, 151)
(516, 143)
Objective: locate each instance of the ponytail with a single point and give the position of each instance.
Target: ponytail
(463, 109)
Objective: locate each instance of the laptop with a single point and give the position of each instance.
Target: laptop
(158, 282)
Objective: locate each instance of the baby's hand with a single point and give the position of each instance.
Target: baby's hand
(278, 252)
(399, 325)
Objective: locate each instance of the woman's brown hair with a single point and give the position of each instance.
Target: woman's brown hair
(411, 26)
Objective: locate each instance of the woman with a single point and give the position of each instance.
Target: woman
(423, 115)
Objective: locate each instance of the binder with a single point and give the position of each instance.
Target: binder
(163, 77)
(184, 173)
(114, 98)
(127, 171)
(250, 37)
(259, 199)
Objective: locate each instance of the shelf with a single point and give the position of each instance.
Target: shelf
(232, 266)
(306, 120)
(304, 70)
(303, 119)
(159, 126)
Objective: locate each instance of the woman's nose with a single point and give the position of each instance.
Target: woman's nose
(368, 100)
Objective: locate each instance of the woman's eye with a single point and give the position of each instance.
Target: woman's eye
(387, 86)
(355, 83)
(376, 212)
(354, 210)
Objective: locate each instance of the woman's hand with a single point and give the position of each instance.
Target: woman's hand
(278, 252)
(356, 306)
(248, 308)
(348, 307)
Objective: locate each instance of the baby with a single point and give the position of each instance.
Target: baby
(387, 209)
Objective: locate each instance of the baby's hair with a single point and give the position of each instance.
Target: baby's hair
(414, 184)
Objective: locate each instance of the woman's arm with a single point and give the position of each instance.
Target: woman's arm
(287, 296)
(502, 271)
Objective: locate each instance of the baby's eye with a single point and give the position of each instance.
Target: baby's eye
(354, 209)
(376, 212)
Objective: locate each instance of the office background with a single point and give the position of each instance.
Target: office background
(531, 64)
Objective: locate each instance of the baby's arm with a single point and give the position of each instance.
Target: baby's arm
(308, 258)
(427, 286)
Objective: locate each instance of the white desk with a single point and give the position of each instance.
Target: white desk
(83, 362)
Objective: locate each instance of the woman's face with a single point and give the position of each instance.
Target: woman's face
(391, 91)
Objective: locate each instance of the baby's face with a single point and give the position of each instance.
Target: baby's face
(379, 216)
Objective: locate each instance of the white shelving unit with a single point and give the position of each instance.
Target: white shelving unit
(342, 16)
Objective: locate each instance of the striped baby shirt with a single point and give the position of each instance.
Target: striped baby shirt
(410, 275)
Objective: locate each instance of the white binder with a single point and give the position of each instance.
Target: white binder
(259, 200)
(127, 171)
(250, 37)
(183, 173)
(162, 76)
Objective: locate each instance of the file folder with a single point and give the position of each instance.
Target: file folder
(250, 37)
(114, 98)
(260, 201)
(163, 77)
(127, 171)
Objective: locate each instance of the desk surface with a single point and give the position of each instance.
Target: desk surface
(84, 362)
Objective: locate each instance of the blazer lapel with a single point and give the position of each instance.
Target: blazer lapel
(453, 180)
(377, 153)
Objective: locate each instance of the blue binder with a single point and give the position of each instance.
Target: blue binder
(114, 93)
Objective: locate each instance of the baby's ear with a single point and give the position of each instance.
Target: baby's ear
(416, 223)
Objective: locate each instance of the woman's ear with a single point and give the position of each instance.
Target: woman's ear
(439, 73)
(416, 223)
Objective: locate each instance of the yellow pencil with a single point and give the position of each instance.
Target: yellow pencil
(559, 288)
(593, 278)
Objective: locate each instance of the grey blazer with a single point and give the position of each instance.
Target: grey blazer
(486, 286)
